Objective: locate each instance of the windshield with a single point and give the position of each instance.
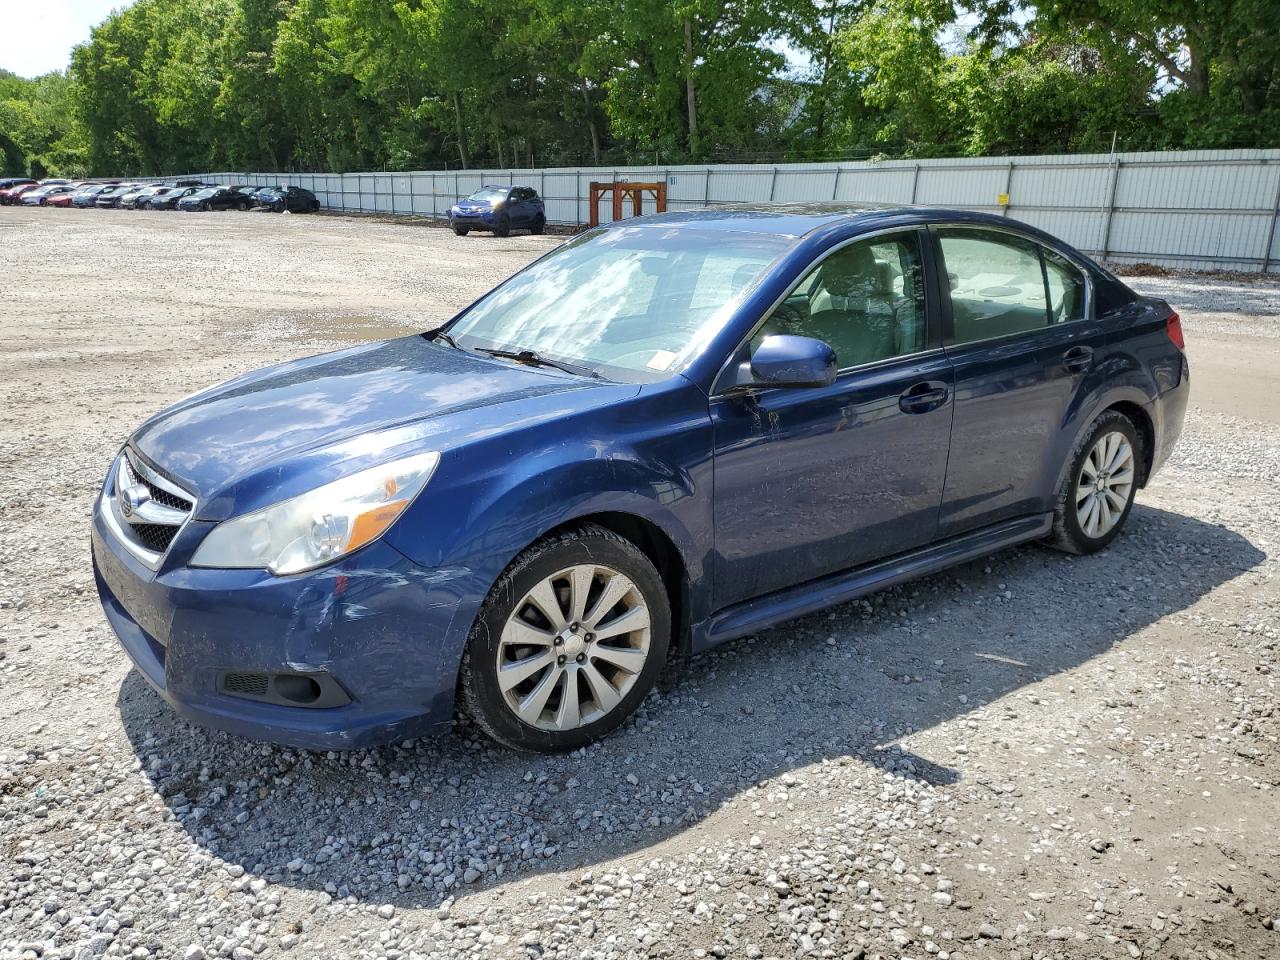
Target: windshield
(489, 194)
(631, 303)
(208, 192)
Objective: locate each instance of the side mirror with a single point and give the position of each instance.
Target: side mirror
(782, 360)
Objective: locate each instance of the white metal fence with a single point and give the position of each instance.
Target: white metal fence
(1206, 209)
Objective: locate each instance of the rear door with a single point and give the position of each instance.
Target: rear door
(1022, 340)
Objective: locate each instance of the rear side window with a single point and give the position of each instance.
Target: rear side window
(1066, 288)
(997, 285)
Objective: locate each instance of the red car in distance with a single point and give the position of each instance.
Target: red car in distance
(58, 200)
(14, 194)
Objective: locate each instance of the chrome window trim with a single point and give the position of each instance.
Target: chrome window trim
(718, 391)
(936, 228)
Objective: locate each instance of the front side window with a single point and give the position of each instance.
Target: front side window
(866, 301)
(636, 303)
(997, 285)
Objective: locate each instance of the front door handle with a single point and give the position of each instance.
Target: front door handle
(1078, 359)
(923, 397)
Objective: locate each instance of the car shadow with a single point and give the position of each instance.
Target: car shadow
(419, 822)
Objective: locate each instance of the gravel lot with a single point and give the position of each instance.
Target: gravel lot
(1029, 756)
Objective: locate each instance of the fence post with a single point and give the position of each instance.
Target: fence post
(1111, 208)
(773, 183)
(706, 189)
(1271, 231)
(835, 184)
(915, 182)
(1008, 182)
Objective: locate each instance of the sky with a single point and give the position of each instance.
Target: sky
(40, 36)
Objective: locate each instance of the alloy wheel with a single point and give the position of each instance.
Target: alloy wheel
(1105, 484)
(573, 647)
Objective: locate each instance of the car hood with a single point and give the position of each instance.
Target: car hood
(278, 431)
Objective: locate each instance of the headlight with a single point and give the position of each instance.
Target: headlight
(319, 526)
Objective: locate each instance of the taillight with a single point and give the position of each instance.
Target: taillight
(1173, 326)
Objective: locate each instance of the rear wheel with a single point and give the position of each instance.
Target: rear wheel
(1098, 490)
(569, 642)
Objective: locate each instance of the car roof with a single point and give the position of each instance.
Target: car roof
(797, 219)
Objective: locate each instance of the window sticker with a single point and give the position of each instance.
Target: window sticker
(661, 360)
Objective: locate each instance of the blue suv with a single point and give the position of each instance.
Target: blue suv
(664, 434)
(500, 209)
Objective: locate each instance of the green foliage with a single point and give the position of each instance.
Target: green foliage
(167, 86)
(38, 134)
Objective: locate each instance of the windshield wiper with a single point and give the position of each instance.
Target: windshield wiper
(535, 359)
(440, 333)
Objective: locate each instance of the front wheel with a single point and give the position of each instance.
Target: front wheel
(503, 229)
(1098, 490)
(461, 231)
(568, 643)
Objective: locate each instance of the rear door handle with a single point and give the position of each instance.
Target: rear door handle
(923, 397)
(1078, 359)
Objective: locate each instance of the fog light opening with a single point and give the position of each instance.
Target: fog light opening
(297, 688)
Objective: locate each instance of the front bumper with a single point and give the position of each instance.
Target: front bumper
(474, 219)
(389, 632)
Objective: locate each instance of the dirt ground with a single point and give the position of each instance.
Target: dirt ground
(1030, 756)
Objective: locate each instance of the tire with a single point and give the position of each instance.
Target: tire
(503, 228)
(461, 231)
(242, 206)
(204, 207)
(539, 226)
(571, 661)
(1088, 515)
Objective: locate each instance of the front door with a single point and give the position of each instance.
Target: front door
(1022, 345)
(811, 481)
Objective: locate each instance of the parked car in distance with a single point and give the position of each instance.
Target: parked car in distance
(132, 199)
(286, 200)
(666, 433)
(62, 199)
(109, 199)
(41, 194)
(86, 195)
(9, 183)
(216, 198)
(500, 209)
(167, 199)
(14, 194)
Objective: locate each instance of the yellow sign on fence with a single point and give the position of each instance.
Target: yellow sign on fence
(1002, 199)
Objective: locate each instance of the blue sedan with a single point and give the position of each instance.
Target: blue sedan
(662, 435)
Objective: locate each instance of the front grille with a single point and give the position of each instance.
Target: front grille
(154, 536)
(158, 494)
(146, 509)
